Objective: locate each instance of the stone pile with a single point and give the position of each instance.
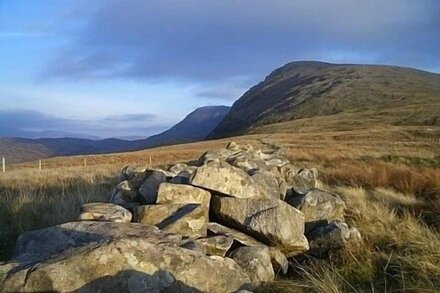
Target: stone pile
(226, 225)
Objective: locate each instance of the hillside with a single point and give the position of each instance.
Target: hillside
(391, 95)
(196, 126)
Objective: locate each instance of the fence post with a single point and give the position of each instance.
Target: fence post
(85, 162)
(4, 164)
(39, 165)
(150, 161)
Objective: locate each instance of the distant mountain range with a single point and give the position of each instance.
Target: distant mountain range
(196, 126)
(395, 95)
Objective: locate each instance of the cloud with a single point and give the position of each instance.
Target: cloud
(33, 124)
(222, 40)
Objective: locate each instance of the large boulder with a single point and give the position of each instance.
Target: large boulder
(223, 178)
(216, 245)
(256, 262)
(271, 221)
(126, 265)
(148, 189)
(318, 207)
(179, 193)
(106, 212)
(42, 243)
(185, 219)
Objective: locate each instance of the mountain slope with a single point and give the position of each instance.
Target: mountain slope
(196, 126)
(309, 89)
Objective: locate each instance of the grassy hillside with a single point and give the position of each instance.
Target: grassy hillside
(386, 94)
(388, 176)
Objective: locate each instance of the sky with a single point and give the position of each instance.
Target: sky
(133, 68)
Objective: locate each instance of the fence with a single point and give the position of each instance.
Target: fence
(40, 166)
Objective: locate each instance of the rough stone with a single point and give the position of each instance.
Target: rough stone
(330, 237)
(107, 212)
(216, 245)
(215, 156)
(256, 262)
(149, 188)
(127, 265)
(134, 174)
(226, 179)
(183, 194)
(238, 236)
(318, 207)
(271, 221)
(185, 219)
(45, 242)
(268, 183)
(279, 261)
(302, 180)
(123, 193)
(182, 170)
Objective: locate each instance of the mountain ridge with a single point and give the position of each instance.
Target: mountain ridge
(305, 89)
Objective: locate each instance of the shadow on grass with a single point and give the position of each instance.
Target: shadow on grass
(24, 208)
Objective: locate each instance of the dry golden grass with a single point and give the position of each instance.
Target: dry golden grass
(389, 178)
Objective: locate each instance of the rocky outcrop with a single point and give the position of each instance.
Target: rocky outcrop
(106, 212)
(127, 265)
(228, 224)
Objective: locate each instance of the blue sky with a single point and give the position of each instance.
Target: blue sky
(118, 68)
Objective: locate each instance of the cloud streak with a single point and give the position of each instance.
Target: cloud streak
(208, 41)
(33, 124)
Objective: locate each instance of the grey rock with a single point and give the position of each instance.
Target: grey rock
(107, 212)
(302, 181)
(182, 194)
(123, 193)
(256, 262)
(216, 245)
(330, 237)
(43, 243)
(185, 219)
(236, 235)
(149, 188)
(318, 207)
(226, 179)
(268, 183)
(127, 264)
(271, 221)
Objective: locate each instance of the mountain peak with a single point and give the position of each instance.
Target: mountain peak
(304, 89)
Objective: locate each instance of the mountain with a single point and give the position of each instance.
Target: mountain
(390, 94)
(196, 126)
